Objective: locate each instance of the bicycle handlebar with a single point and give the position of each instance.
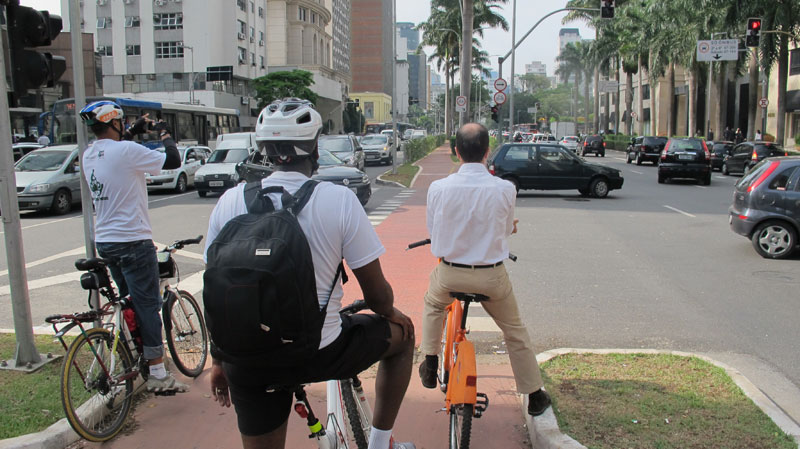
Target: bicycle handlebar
(179, 244)
(428, 242)
(357, 306)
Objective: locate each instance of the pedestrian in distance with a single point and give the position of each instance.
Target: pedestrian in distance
(758, 136)
(738, 136)
(44, 140)
(472, 248)
(336, 228)
(728, 135)
(114, 168)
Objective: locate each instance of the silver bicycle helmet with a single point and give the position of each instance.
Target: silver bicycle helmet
(288, 129)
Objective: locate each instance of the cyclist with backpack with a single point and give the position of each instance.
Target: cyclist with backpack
(114, 168)
(272, 293)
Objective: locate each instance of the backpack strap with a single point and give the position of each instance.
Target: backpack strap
(301, 197)
(339, 271)
(257, 201)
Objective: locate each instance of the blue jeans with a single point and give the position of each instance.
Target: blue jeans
(134, 267)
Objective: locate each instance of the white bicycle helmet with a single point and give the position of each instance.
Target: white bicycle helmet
(288, 128)
(103, 111)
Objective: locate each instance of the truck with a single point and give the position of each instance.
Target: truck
(561, 129)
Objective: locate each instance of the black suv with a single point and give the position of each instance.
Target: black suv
(646, 148)
(685, 158)
(594, 144)
(545, 166)
(719, 151)
(747, 154)
(766, 207)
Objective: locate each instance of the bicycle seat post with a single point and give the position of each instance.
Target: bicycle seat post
(467, 301)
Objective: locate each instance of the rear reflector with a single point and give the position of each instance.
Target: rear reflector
(772, 167)
(472, 381)
(301, 410)
(742, 217)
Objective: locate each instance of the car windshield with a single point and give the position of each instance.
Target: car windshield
(233, 155)
(570, 139)
(42, 161)
(327, 159)
(336, 145)
(686, 144)
(374, 140)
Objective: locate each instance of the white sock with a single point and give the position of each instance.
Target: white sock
(379, 439)
(158, 371)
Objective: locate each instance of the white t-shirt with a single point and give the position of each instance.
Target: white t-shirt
(335, 226)
(115, 174)
(43, 140)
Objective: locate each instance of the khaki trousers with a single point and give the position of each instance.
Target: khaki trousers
(501, 306)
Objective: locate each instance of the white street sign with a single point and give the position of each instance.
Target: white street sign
(764, 102)
(608, 86)
(500, 98)
(500, 84)
(531, 110)
(461, 103)
(718, 50)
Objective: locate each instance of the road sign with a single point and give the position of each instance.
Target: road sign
(718, 50)
(764, 102)
(531, 110)
(461, 103)
(609, 86)
(633, 114)
(500, 84)
(500, 97)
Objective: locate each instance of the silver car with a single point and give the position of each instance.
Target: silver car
(49, 178)
(377, 148)
(179, 179)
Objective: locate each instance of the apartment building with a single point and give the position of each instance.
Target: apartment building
(417, 65)
(371, 45)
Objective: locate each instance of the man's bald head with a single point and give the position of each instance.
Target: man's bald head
(472, 142)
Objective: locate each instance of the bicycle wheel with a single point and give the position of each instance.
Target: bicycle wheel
(96, 398)
(460, 425)
(187, 338)
(444, 368)
(355, 418)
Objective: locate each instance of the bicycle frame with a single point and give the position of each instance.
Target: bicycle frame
(459, 359)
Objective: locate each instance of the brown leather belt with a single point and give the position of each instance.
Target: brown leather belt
(461, 265)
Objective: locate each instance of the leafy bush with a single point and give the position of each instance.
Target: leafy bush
(797, 140)
(416, 149)
(618, 142)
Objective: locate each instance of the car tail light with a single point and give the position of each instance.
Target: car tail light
(604, 144)
(491, 169)
(664, 152)
(772, 167)
(754, 157)
(742, 217)
(705, 148)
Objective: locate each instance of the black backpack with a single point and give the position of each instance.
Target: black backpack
(260, 292)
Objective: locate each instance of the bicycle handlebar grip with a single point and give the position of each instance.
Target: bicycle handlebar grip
(357, 306)
(420, 243)
(512, 257)
(193, 241)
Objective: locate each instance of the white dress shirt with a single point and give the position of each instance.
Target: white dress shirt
(470, 215)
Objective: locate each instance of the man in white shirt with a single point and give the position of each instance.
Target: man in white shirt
(43, 140)
(758, 135)
(470, 215)
(336, 227)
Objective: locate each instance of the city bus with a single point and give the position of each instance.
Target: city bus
(191, 124)
(376, 128)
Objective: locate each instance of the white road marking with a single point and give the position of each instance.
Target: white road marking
(73, 252)
(701, 187)
(193, 284)
(680, 211)
(183, 252)
(482, 324)
(45, 282)
(621, 159)
(637, 172)
(169, 197)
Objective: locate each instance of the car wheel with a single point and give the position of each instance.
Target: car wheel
(201, 193)
(514, 182)
(628, 159)
(638, 159)
(725, 170)
(583, 154)
(62, 202)
(583, 191)
(599, 188)
(603, 154)
(180, 186)
(774, 239)
(707, 180)
(661, 179)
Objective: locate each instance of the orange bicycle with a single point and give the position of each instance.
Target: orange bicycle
(458, 372)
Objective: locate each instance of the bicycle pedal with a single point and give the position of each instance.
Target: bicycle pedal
(441, 410)
(165, 393)
(481, 404)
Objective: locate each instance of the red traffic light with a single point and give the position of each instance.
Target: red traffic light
(754, 24)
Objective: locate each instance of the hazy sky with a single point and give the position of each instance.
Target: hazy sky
(541, 45)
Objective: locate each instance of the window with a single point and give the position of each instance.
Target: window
(794, 64)
(168, 50)
(517, 153)
(133, 50)
(261, 60)
(553, 155)
(369, 109)
(168, 21)
(132, 21)
(105, 50)
(252, 59)
(260, 12)
(242, 27)
(302, 14)
(252, 33)
(252, 7)
(780, 182)
(242, 56)
(103, 22)
(313, 17)
(242, 5)
(261, 37)
(646, 92)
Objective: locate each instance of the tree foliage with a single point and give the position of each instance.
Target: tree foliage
(277, 85)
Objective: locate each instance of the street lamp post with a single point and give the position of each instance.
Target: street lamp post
(191, 80)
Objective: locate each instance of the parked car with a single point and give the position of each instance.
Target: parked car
(418, 134)
(23, 148)
(646, 148)
(377, 148)
(594, 144)
(719, 150)
(570, 143)
(219, 173)
(685, 158)
(179, 179)
(766, 206)
(407, 134)
(49, 179)
(345, 148)
(331, 169)
(747, 154)
(552, 167)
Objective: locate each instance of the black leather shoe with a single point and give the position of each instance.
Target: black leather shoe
(538, 401)
(427, 372)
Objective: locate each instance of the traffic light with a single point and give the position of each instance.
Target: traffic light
(494, 113)
(29, 28)
(607, 9)
(753, 32)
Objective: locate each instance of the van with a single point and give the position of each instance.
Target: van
(249, 139)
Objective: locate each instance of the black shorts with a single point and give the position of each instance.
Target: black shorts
(364, 339)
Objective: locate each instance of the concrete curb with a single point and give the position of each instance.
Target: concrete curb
(544, 432)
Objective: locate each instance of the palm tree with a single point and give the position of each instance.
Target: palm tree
(570, 64)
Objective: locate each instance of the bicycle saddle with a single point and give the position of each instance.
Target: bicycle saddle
(473, 297)
(90, 264)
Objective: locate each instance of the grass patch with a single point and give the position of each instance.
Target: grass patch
(405, 174)
(30, 402)
(655, 401)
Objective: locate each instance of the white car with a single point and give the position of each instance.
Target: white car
(570, 142)
(418, 134)
(179, 179)
(219, 173)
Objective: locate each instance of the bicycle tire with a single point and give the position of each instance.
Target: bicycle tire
(460, 425)
(354, 421)
(444, 370)
(94, 411)
(187, 337)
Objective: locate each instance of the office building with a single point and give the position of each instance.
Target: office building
(371, 45)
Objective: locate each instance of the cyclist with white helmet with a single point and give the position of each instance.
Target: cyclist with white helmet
(336, 228)
(114, 168)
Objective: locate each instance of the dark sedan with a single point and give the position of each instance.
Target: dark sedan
(719, 151)
(331, 169)
(748, 154)
(541, 166)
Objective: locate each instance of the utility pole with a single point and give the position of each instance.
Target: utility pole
(511, 81)
(467, 15)
(395, 103)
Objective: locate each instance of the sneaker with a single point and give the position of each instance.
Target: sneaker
(538, 401)
(166, 384)
(427, 371)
